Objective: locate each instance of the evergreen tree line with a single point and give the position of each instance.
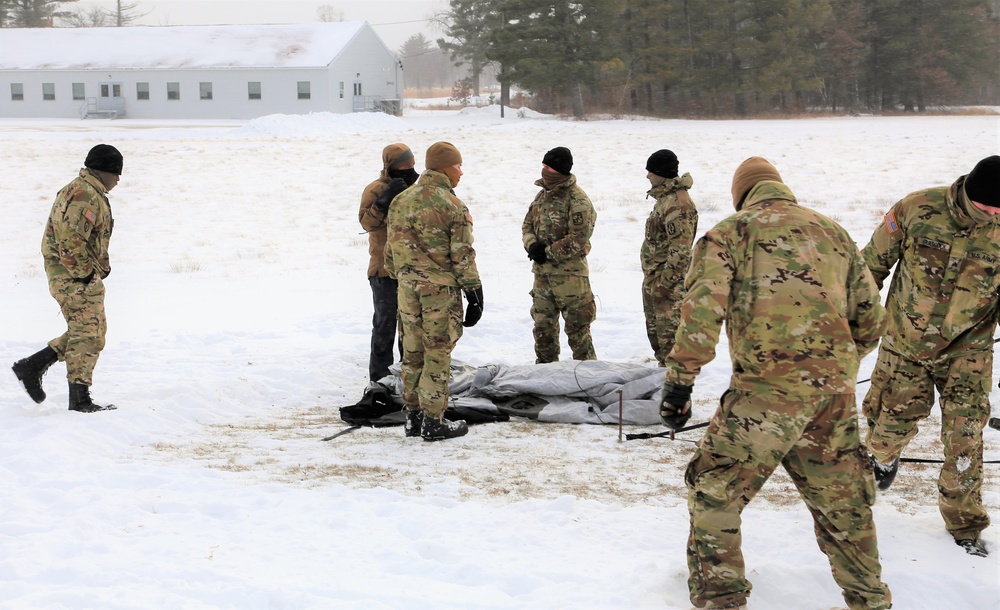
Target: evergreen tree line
(733, 57)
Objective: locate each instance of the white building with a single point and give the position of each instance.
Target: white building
(197, 72)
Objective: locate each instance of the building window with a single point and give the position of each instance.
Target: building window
(78, 91)
(173, 91)
(17, 92)
(142, 91)
(305, 90)
(341, 89)
(48, 91)
(205, 91)
(253, 90)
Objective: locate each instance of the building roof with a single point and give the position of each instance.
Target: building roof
(304, 45)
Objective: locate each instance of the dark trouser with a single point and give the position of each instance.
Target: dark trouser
(384, 320)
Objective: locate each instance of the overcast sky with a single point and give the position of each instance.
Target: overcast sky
(394, 20)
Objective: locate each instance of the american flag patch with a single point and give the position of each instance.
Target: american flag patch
(890, 223)
(89, 215)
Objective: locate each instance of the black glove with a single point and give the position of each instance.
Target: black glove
(536, 252)
(383, 201)
(84, 280)
(474, 310)
(675, 409)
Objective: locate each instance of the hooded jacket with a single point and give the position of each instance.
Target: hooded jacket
(372, 219)
(800, 307)
(670, 229)
(563, 218)
(943, 298)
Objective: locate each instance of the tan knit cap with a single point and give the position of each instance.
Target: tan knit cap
(748, 174)
(441, 155)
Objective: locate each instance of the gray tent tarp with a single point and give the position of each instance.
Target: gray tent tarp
(575, 392)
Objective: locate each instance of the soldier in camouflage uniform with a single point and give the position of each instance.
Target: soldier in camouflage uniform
(943, 310)
(75, 251)
(397, 174)
(556, 234)
(800, 309)
(429, 251)
(666, 250)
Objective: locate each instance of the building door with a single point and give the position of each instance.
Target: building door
(110, 98)
(359, 98)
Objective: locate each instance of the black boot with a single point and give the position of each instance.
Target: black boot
(885, 474)
(30, 371)
(414, 419)
(439, 429)
(79, 400)
(973, 547)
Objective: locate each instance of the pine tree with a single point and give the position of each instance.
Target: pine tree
(33, 13)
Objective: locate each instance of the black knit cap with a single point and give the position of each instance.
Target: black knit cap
(982, 185)
(663, 163)
(559, 159)
(105, 158)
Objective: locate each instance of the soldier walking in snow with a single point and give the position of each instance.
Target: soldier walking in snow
(943, 309)
(429, 251)
(556, 234)
(801, 309)
(397, 174)
(666, 250)
(75, 251)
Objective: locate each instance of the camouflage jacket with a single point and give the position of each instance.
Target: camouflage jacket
(77, 234)
(430, 235)
(670, 231)
(943, 296)
(800, 307)
(563, 219)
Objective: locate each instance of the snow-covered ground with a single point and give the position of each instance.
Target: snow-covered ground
(239, 320)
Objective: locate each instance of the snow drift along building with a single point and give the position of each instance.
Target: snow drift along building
(197, 72)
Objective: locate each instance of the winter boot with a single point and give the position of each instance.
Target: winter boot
(30, 371)
(973, 547)
(79, 400)
(432, 429)
(414, 419)
(885, 474)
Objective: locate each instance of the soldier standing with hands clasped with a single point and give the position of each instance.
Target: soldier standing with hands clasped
(943, 309)
(429, 251)
(801, 309)
(556, 234)
(75, 250)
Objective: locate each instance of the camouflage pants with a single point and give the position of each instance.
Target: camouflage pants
(82, 307)
(571, 296)
(902, 394)
(432, 325)
(817, 442)
(662, 310)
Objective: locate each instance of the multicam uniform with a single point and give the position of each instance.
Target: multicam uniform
(75, 251)
(562, 218)
(665, 256)
(429, 251)
(801, 310)
(943, 311)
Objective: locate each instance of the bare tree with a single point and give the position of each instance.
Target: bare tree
(327, 13)
(93, 17)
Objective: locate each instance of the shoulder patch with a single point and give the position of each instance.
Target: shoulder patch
(890, 223)
(578, 218)
(89, 215)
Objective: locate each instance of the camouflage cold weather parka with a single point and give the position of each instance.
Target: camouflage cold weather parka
(562, 218)
(670, 230)
(430, 235)
(800, 307)
(943, 296)
(77, 234)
